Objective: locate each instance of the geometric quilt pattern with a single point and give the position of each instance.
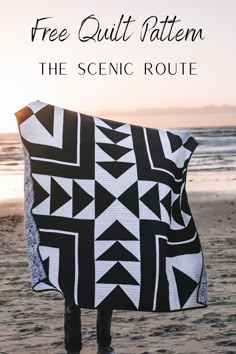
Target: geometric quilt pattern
(106, 212)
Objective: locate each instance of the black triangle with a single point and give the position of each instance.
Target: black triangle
(116, 168)
(58, 196)
(117, 299)
(117, 252)
(185, 286)
(113, 124)
(46, 117)
(80, 198)
(151, 200)
(176, 212)
(39, 193)
(175, 141)
(166, 201)
(191, 144)
(118, 275)
(46, 265)
(117, 232)
(103, 199)
(113, 135)
(46, 270)
(115, 151)
(184, 203)
(130, 199)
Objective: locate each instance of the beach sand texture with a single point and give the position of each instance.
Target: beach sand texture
(33, 322)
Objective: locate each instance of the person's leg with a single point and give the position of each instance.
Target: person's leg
(72, 328)
(104, 318)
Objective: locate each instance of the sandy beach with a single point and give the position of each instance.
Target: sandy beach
(33, 322)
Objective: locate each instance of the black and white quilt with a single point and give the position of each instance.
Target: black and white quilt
(106, 212)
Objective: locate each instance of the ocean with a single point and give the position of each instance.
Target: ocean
(216, 152)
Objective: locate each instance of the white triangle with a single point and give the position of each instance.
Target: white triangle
(174, 225)
(125, 128)
(133, 268)
(101, 224)
(99, 122)
(36, 106)
(88, 213)
(44, 181)
(174, 197)
(126, 142)
(88, 185)
(164, 189)
(43, 208)
(144, 187)
(192, 300)
(101, 247)
(164, 215)
(133, 292)
(102, 267)
(102, 291)
(64, 183)
(64, 211)
(101, 155)
(186, 217)
(128, 157)
(146, 213)
(101, 138)
(133, 247)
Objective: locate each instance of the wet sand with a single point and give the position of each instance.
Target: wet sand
(33, 322)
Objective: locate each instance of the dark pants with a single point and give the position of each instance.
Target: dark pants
(72, 327)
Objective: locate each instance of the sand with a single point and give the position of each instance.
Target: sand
(33, 322)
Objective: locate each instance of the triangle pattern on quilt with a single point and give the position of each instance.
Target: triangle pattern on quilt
(184, 204)
(46, 112)
(103, 199)
(176, 212)
(46, 269)
(117, 252)
(113, 135)
(115, 151)
(119, 297)
(151, 200)
(81, 198)
(118, 275)
(40, 194)
(113, 124)
(166, 202)
(130, 199)
(185, 285)
(101, 155)
(58, 196)
(175, 141)
(115, 168)
(117, 231)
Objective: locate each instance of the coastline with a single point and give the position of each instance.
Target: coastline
(33, 322)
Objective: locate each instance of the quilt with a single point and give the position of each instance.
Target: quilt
(107, 218)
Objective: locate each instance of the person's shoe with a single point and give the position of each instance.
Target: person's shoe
(73, 352)
(106, 350)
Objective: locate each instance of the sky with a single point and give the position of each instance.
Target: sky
(205, 99)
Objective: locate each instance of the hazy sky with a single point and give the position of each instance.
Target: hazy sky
(207, 98)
